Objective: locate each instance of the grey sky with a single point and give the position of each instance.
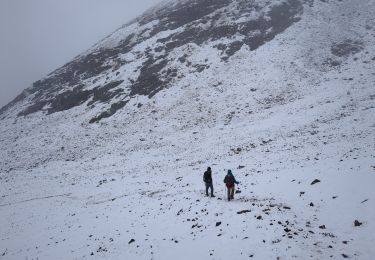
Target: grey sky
(38, 36)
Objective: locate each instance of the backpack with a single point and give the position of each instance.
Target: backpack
(206, 176)
(229, 181)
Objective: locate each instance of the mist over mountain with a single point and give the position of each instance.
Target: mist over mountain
(104, 157)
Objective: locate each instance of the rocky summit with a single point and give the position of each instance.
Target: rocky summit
(104, 157)
(140, 58)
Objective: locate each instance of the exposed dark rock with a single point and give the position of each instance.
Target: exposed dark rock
(149, 81)
(69, 99)
(201, 67)
(315, 182)
(104, 94)
(243, 211)
(357, 223)
(114, 108)
(33, 108)
(347, 47)
(331, 62)
(131, 241)
(218, 223)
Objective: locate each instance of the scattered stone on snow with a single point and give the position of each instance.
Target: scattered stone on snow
(243, 211)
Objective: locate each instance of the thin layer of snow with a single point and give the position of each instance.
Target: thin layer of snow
(73, 190)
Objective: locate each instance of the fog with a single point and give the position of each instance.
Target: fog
(39, 36)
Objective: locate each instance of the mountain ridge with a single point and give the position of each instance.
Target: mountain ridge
(153, 75)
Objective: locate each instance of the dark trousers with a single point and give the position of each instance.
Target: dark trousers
(209, 185)
(230, 193)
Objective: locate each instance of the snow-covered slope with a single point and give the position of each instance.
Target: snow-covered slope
(112, 147)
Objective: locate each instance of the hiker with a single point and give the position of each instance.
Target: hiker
(207, 178)
(229, 180)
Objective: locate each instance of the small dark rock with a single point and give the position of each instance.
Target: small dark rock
(357, 223)
(315, 181)
(218, 223)
(322, 227)
(131, 241)
(243, 211)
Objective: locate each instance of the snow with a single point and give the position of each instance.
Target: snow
(73, 190)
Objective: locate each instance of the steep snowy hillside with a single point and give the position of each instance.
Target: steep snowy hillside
(104, 157)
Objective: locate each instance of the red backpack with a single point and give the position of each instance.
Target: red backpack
(229, 181)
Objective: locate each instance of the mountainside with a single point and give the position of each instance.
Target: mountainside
(112, 146)
(154, 52)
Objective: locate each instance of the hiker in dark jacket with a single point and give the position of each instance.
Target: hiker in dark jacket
(207, 178)
(229, 180)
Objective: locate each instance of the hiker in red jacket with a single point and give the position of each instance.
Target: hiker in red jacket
(229, 180)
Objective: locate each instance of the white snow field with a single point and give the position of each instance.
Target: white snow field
(280, 117)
